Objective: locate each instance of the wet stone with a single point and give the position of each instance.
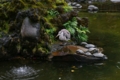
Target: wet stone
(89, 46)
(29, 29)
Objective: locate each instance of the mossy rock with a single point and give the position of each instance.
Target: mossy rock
(12, 16)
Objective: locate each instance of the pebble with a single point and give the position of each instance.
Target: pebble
(73, 4)
(88, 54)
(78, 5)
(83, 43)
(89, 46)
(98, 54)
(91, 49)
(94, 50)
(80, 51)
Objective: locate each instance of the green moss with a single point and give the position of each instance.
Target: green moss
(22, 3)
(67, 8)
(5, 27)
(60, 2)
(41, 48)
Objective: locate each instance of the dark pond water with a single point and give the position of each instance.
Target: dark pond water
(106, 37)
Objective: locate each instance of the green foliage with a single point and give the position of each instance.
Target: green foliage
(67, 8)
(53, 12)
(5, 26)
(50, 32)
(82, 33)
(59, 1)
(70, 26)
(78, 32)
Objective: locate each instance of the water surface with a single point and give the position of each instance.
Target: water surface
(105, 32)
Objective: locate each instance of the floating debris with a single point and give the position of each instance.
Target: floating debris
(59, 78)
(72, 71)
(99, 64)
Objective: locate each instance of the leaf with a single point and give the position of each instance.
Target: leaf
(71, 30)
(84, 37)
(53, 12)
(47, 30)
(73, 24)
(81, 31)
(74, 19)
(67, 23)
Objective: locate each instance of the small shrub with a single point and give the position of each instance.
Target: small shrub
(53, 12)
(78, 32)
(50, 32)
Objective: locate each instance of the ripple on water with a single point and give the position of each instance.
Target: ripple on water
(20, 73)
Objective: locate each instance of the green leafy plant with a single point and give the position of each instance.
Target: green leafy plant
(50, 32)
(70, 26)
(82, 33)
(78, 32)
(53, 12)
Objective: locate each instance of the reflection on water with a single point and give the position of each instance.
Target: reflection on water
(20, 73)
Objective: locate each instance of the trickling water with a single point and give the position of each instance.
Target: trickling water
(20, 73)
